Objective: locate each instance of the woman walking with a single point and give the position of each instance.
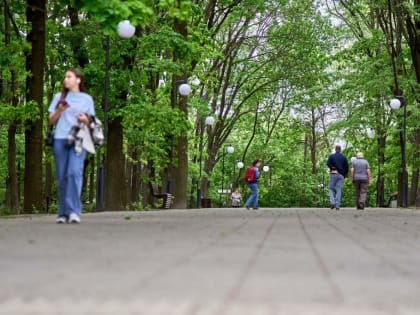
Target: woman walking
(236, 198)
(251, 177)
(68, 109)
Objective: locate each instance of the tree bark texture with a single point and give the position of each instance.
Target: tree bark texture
(115, 169)
(413, 30)
(12, 196)
(35, 13)
(180, 171)
(380, 185)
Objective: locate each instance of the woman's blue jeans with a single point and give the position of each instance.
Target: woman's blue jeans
(69, 170)
(254, 196)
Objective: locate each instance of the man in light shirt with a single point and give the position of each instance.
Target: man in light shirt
(361, 177)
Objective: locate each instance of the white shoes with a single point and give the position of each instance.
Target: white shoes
(74, 218)
(61, 220)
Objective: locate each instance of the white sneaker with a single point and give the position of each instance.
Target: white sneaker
(74, 218)
(61, 220)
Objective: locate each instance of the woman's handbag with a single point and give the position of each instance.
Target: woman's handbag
(49, 139)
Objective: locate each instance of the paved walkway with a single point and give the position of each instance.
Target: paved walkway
(213, 262)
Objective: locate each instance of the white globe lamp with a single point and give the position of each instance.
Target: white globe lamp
(370, 133)
(395, 103)
(210, 120)
(240, 165)
(125, 29)
(184, 89)
(266, 168)
(195, 81)
(230, 149)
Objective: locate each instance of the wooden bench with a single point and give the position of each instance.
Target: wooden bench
(392, 197)
(166, 197)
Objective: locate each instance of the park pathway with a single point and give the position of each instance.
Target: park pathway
(213, 262)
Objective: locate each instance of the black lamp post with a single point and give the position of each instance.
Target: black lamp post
(100, 157)
(228, 150)
(323, 186)
(209, 122)
(240, 165)
(125, 30)
(266, 169)
(395, 104)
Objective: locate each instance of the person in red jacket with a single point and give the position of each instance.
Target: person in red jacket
(253, 185)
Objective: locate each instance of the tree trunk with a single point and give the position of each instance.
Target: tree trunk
(12, 197)
(414, 191)
(313, 142)
(380, 185)
(92, 183)
(135, 178)
(207, 168)
(115, 169)
(413, 28)
(35, 13)
(77, 39)
(129, 174)
(180, 171)
(88, 188)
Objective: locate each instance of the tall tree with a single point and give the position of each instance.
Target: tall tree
(376, 43)
(412, 23)
(35, 15)
(12, 189)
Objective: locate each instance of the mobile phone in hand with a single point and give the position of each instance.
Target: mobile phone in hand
(63, 103)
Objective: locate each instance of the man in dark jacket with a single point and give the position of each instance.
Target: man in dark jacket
(339, 169)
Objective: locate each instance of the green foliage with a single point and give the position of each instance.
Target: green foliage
(312, 80)
(179, 9)
(22, 112)
(110, 12)
(149, 124)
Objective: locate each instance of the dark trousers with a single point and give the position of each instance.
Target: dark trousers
(361, 187)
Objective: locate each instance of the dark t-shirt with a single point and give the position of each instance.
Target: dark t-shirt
(339, 162)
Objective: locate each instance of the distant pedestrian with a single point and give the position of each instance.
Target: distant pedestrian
(251, 178)
(339, 169)
(236, 198)
(361, 177)
(71, 107)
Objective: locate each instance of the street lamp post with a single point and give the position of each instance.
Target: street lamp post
(209, 122)
(229, 150)
(266, 168)
(239, 165)
(125, 30)
(395, 104)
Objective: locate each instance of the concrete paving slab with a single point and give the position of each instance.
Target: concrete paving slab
(213, 261)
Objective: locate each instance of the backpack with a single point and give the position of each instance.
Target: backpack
(250, 175)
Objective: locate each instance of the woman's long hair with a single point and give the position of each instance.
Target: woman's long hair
(78, 75)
